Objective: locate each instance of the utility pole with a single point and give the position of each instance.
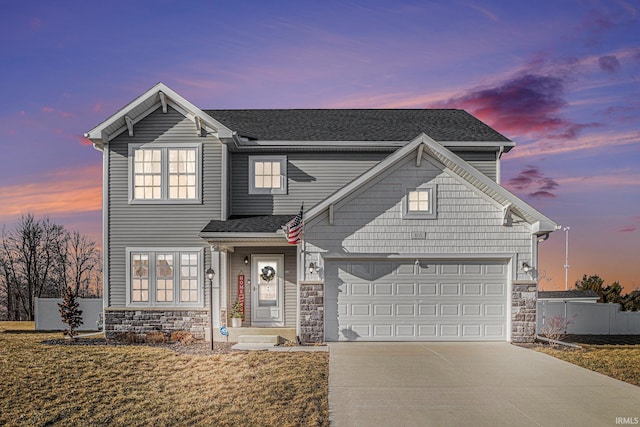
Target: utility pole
(566, 259)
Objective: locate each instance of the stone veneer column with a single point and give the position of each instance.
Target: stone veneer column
(312, 311)
(523, 311)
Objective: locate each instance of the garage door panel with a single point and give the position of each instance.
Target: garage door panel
(427, 289)
(449, 310)
(472, 289)
(383, 289)
(471, 310)
(405, 310)
(427, 309)
(360, 289)
(406, 301)
(380, 310)
(472, 330)
(384, 331)
(469, 269)
(405, 289)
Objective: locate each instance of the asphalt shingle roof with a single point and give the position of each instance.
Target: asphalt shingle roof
(356, 125)
(253, 224)
(574, 293)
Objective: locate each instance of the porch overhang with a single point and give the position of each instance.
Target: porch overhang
(247, 231)
(245, 239)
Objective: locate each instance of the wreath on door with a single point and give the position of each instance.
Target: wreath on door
(268, 273)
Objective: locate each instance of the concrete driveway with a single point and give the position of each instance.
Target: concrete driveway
(469, 384)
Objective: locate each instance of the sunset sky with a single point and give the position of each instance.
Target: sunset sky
(560, 78)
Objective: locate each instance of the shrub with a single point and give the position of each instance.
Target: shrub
(128, 337)
(70, 313)
(183, 337)
(555, 328)
(155, 338)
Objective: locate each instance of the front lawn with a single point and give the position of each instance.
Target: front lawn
(621, 362)
(141, 386)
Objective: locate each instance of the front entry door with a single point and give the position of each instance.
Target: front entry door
(267, 290)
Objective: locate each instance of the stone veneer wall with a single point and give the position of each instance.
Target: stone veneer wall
(144, 321)
(312, 311)
(523, 311)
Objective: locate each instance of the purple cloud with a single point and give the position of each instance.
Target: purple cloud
(532, 180)
(529, 103)
(597, 22)
(542, 195)
(609, 63)
(627, 229)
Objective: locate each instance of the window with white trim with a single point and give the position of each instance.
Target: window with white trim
(165, 277)
(165, 174)
(267, 174)
(420, 203)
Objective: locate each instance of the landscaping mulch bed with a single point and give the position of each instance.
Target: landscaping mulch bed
(603, 339)
(197, 348)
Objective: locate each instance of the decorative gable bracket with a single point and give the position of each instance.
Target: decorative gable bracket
(507, 219)
(419, 156)
(129, 121)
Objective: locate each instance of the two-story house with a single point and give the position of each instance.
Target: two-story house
(407, 233)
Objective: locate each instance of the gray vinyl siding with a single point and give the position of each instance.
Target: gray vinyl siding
(484, 161)
(236, 265)
(311, 178)
(158, 225)
(370, 221)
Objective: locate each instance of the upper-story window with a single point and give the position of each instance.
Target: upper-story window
(420, 203)
(268, 175)
(165, 174)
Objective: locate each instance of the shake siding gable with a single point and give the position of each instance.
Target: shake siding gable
(311, 177)
(370, 221)
(158, 225)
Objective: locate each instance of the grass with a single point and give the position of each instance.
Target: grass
(140, 386)
(621, 362)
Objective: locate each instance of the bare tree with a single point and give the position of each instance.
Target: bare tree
(82, 262)
(39, 259)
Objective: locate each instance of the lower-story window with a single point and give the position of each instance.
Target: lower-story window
(165, 276)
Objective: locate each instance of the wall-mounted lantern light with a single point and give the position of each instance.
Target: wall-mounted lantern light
(312, 268)
(526, 267)
(246, 260)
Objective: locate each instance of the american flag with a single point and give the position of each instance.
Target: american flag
(294, 229)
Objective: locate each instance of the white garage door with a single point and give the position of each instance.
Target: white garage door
(408, 301)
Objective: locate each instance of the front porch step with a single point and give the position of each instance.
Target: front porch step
(260, 339)
(234, 333)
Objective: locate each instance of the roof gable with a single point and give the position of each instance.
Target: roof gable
(159, 96)
(423, 145)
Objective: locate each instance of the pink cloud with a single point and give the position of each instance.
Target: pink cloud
(83, 141)
(524, 104)
(593, 141)
(63, 114)
(627, 229)
(69, 191)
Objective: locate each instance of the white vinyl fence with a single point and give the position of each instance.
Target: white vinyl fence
(47, 314)
(589, 318)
